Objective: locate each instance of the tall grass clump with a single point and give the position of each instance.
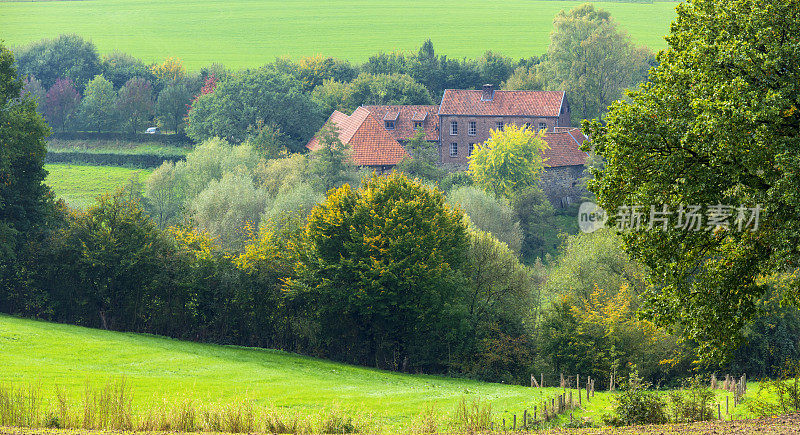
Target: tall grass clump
(20, 406)
(472, 416)
(110, 407)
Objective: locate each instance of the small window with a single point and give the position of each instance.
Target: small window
(500, 125)
(542, 126)
(528, 126)
(454, 149)
(417, 124)
(390, 125)
(453, 128)
(471, 148)
(473, 128)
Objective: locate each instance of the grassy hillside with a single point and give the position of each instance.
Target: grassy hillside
(243, 33)
(79, 185)
(159, 369)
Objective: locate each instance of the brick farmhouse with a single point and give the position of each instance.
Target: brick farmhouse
(463, 121)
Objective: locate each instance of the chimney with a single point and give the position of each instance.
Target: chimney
(488, 93)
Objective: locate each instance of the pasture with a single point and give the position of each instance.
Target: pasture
(79, 185)
(163, 372)
(248, 33)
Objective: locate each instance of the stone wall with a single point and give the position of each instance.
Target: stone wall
(562, 185)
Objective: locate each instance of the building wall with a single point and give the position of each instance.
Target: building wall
(561, 184)
(484, 125)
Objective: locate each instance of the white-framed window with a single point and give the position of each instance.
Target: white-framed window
(454, 149)
(471, 148)
(453, 128)
(390, 125)
(500, 125)
(528, 126)
(542, 126)
(417, 124)
(473, 128)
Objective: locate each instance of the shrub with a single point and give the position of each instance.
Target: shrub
(692, 403)
(635, 405)
(227, 208)
(290, 208)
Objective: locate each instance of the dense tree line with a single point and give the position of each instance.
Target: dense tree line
(77, 89)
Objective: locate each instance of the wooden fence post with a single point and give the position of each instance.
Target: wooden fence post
(719, 414)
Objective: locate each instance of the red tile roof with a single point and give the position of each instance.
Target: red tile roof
(564, 148)
(369, 141)
(504, 103)
(406, 115)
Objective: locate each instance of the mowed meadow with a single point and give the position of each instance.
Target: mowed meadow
(163, 372)
(247, 33)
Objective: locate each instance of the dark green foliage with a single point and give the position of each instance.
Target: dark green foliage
(265, 94)
(267, 140)
(68, 56)
(379, 270)
(25, 201)
(717, 123)
(454, 180)
(367, 89)
(539, 227)
(172, 105)
(120, 67)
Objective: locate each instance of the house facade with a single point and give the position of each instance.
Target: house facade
(466, 117)
(464, 120)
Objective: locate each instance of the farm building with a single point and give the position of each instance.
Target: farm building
(462, 121)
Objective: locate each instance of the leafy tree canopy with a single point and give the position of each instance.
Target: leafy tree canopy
(381, 265)
(716, 124)
(509, 161)
(239, 101)
(68, 56)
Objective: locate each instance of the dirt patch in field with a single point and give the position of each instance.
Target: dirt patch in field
(784, 424)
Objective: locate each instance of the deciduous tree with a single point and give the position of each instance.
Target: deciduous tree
(135, 104)
(62, 104)
(510, 161)
(718, 123)
(381, 265)
(98, 107)
(592, 61)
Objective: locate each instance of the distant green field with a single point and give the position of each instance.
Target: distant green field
(244, 33)
(79, 185)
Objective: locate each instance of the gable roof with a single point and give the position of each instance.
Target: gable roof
(503, 103)
(564, 148)
(405, 117)
(369, 141)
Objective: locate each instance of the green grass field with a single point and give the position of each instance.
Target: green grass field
(245, 33)
(160, 370)
(115, 147)
(79, 185)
